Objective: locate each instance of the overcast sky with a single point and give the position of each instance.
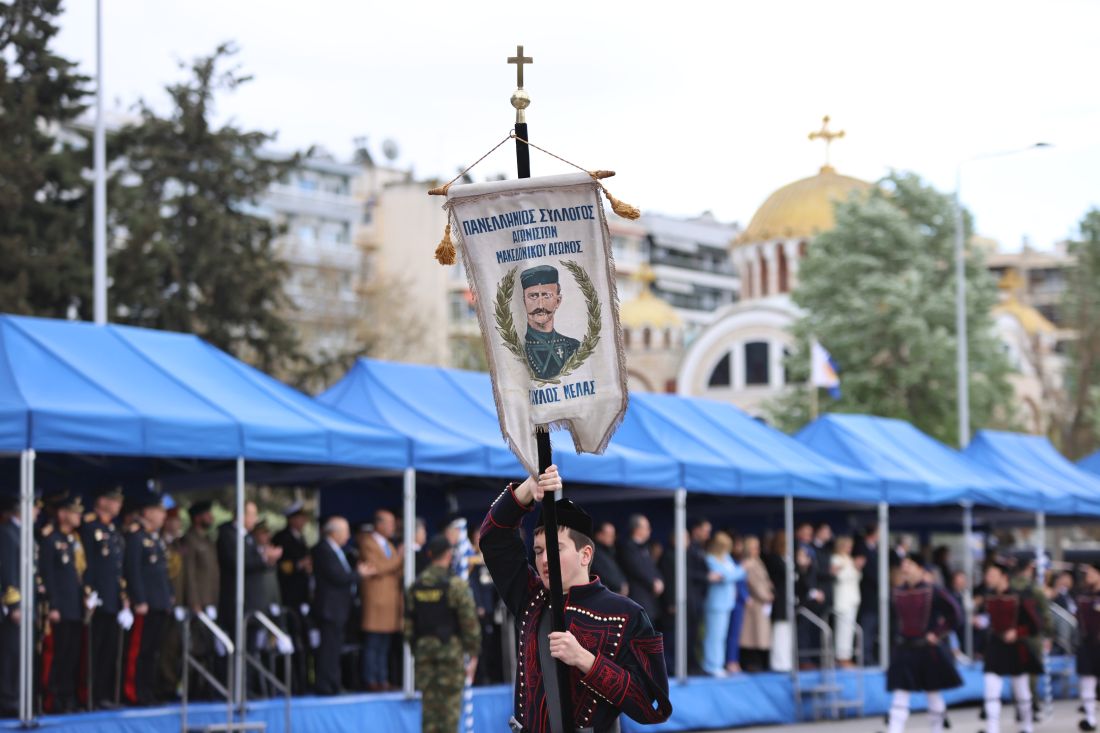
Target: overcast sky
(697, 105)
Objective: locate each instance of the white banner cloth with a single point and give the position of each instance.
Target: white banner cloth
(538, 257)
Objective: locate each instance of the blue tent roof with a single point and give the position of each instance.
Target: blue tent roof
(914, 467)
(454, 411)
(1091, 463)
(726, 451)
(72, 387)
(1032, 462)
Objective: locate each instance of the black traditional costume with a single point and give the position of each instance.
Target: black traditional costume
(628, 675)
(1012, 611)
(916, 663)
(1088, 654)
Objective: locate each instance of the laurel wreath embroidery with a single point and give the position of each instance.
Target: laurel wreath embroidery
(506, 326)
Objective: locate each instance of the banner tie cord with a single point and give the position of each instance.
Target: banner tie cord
(445, 250)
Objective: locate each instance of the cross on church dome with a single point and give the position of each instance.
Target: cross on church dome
(828, 136)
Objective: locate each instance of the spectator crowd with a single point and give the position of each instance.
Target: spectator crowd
(116, 582)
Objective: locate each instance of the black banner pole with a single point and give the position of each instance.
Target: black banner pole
(521, 100)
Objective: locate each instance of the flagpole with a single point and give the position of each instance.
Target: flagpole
(521, 100)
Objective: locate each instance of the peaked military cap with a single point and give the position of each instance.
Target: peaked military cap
(539, 275)
(110, 491)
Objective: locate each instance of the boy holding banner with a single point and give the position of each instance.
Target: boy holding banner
(615, 658)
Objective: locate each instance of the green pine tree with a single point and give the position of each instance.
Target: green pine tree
(45, 256)
(193, 254)
(878, 292)
(1081, 432)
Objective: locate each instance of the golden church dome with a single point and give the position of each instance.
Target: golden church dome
(1032, 321)
(803, 208)
(647, 310)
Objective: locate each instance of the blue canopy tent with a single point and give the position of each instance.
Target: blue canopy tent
(915, 468)
(1031, 461)
(76, 388)
(1091, 463)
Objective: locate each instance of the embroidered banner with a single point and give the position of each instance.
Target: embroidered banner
(538, 257)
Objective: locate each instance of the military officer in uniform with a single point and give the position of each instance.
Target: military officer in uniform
(295, 567)
(1088, 651)
(61, 564)
(10, 598)
(199, 587)
(150, 592)
(105, 586)
(442, 626)
(547, 350)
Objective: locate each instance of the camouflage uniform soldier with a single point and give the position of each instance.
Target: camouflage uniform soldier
(441, 623)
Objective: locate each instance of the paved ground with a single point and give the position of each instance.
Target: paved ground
(963, 720)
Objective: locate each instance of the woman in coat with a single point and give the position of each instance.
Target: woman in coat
(846, 598)
(756, 631)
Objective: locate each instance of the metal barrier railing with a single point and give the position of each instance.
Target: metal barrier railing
(857, 702)
(823, 695)
(284, 647)
(190, 662)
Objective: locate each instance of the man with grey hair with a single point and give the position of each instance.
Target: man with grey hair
(334, 578)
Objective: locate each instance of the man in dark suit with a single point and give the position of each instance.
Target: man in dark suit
(295, 567)
(645, 581)
(256, 563)
(867, 560)
(334, 579)
(604, 565)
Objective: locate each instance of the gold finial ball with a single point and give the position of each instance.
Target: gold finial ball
(521, 99)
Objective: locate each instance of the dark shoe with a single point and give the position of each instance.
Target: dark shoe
(1085, 725)
(106, 705)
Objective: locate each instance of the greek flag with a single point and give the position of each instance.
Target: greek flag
(824, 371)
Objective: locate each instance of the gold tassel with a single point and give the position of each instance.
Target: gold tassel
(621, 208)
(445, 252)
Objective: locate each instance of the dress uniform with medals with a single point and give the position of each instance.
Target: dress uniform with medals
(1088, 649)
(147, 584)
(10, 598)
(103, 547)
(61, 564)
(920, 663)
(547, 351)
(1014, 620)
(441, 625)
(628, 675)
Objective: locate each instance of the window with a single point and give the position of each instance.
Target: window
(781, 253)
(756, 363)
(647, 337)
(720, 375)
